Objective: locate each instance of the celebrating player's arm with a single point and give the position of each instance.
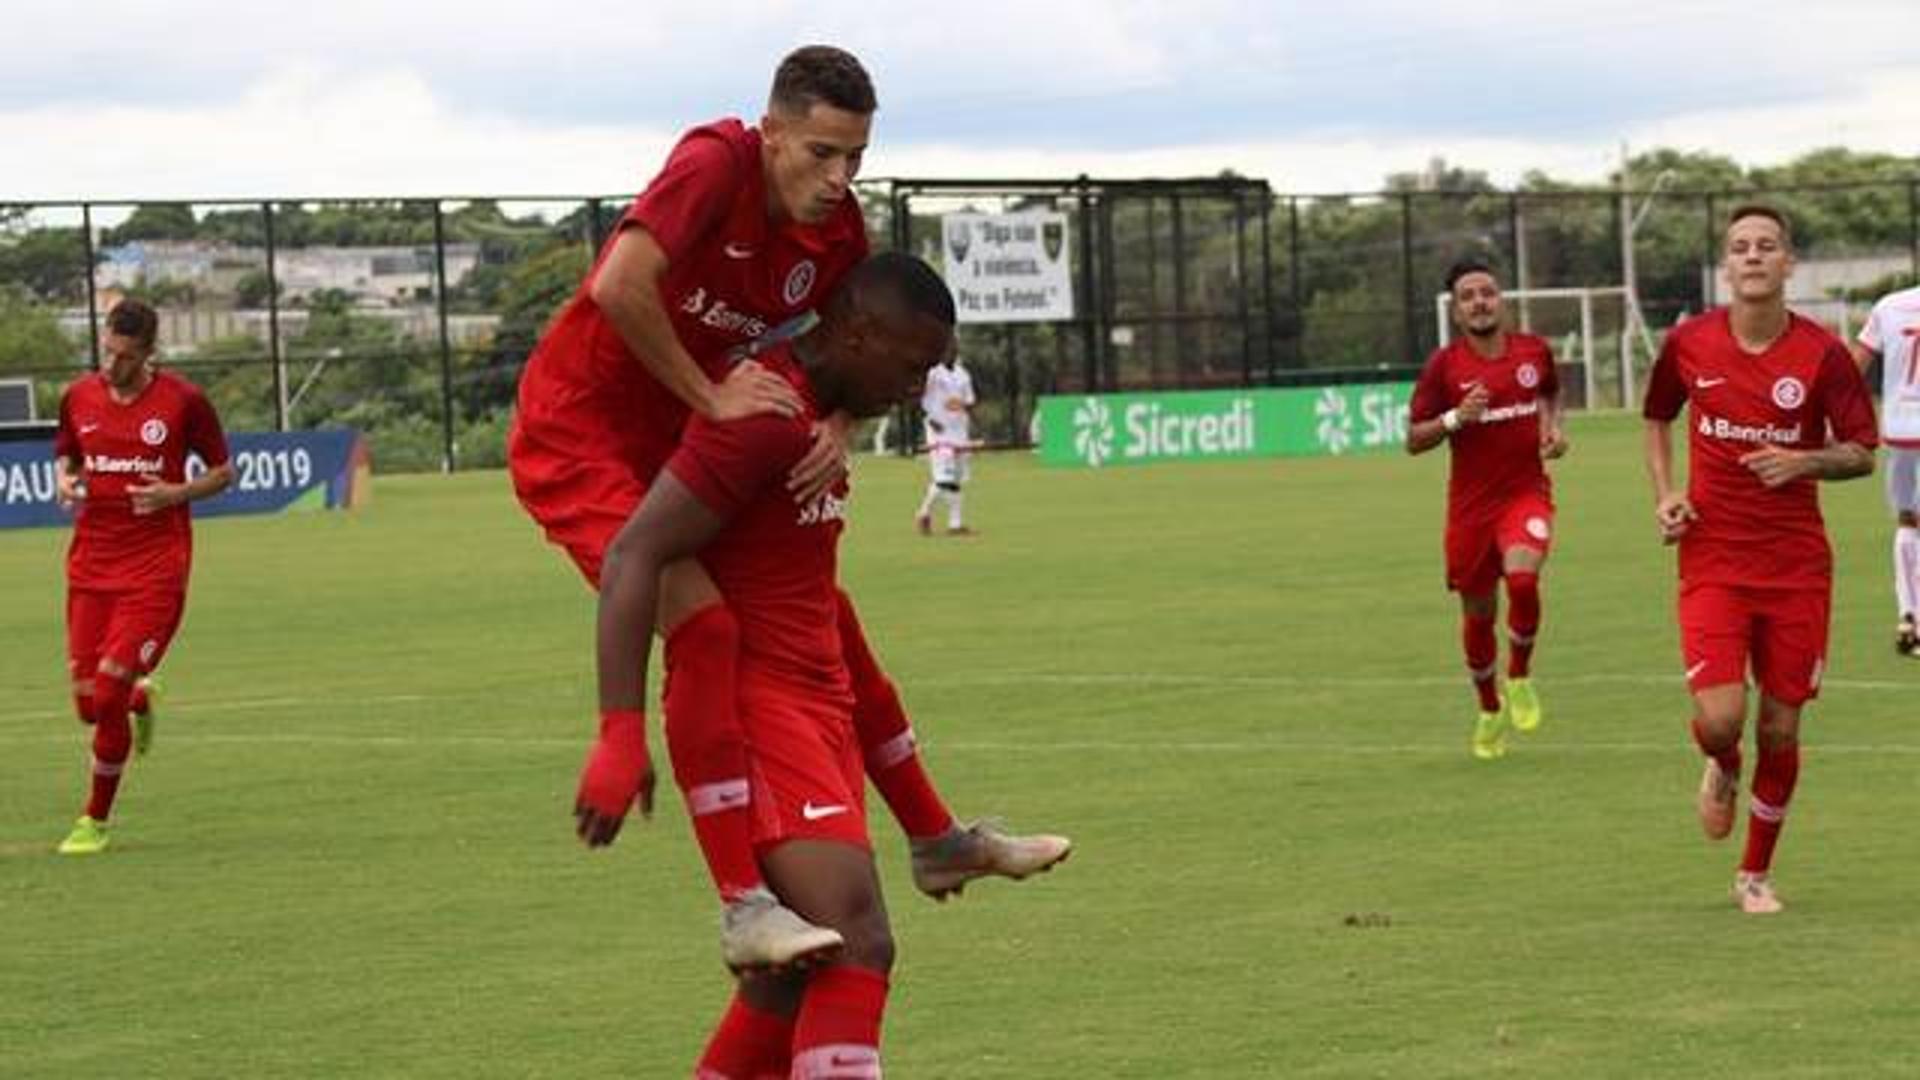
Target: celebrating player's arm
(158, 494)
(1426, 433)
(670, 524)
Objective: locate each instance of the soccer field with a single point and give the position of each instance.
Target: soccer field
(1237, 686)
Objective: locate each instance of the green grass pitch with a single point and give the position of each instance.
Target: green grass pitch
(1237, 686)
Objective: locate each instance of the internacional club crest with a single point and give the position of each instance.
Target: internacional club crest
(799, 282)
(153, 432)
(1527, 375)
(1093, 431)
(1789, 392)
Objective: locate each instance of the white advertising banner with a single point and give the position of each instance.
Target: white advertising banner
(1008, 267)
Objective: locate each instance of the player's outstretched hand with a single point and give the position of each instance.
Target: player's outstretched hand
(1474, 405)
(156, 495)
(827, 461)
(618, 772)
(1674, 514)
(749, 390)
(1776, 465)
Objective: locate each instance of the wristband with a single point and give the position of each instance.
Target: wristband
(1450, 419)
(624, 728)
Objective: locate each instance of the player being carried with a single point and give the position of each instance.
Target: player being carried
(120, 460)
(723, 497)
(948, 404)
(1892, 334)
(1494, 396)
(1775, 404)
(742, 232)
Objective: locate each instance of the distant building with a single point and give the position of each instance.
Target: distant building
(395, 275)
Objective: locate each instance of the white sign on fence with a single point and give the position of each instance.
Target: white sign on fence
(1008, 267)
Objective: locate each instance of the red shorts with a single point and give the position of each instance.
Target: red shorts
(579, 472)
(1475, 548)
(133, 629)
(1782, 632)
(808, 779)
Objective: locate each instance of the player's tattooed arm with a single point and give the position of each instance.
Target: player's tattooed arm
(1424, 435)
(1553, 434)
(1778, 465)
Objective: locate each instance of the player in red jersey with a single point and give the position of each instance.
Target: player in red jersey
(741, 233)
(1775, 403)
(722, 496)
(120, 461)
(1494, 395)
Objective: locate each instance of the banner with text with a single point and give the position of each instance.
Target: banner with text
(273, 473)
(1008, 267)
(1094, 430)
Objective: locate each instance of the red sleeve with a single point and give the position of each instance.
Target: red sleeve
(691, 195)
(1666, 392)
(205, 436)
(726, 465)
(1549, 378)
(1844, 396)
(66, 440)
(1430, 393)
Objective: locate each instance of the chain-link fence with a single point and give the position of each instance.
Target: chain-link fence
(410, 319)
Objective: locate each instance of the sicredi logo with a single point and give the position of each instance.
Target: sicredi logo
(1154, 431)
(1093, 431)
(1332, 424)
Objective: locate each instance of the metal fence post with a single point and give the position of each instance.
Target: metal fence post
(1299, 339)
(93, 301)
(275, 353)
(1266, 275)
(446, 344)
(1089, 324)
(1407, 310)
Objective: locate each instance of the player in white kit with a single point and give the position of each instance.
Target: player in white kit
(1891, 333)
(948, 404)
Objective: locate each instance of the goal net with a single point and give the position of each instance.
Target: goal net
(1600, 342)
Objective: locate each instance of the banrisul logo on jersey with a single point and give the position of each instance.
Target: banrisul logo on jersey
(1094, 431)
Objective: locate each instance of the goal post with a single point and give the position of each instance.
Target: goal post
(1598, 327)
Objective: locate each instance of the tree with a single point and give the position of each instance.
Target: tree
(31, 341)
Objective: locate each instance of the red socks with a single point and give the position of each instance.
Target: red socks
(748, 1045)
(708, 748)
(1523, 621)
(838, 1035)
(1774, 777)
(886, 739)
(1476, 634)
(112, 740)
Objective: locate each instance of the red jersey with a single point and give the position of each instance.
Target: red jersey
(732, 275)
(1497, 458)
(126, 444)
(775, 561)
(1801, 391)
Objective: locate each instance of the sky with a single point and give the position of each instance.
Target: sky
(215, 98)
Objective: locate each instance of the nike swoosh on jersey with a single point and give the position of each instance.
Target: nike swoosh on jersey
(739, 251)
(815, 813)
(1707, 384)
(1696, 669)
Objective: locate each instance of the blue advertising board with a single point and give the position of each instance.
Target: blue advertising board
(274, 472)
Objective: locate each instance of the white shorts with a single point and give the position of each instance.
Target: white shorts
(1903, 477)
(948, 463)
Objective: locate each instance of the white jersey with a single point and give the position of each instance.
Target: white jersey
(948, 395)
(1893, 331)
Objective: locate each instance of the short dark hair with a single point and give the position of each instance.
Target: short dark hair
(822, 74)
(1762, 210)
(1472, 264)
(904, 280)
(135, 319)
